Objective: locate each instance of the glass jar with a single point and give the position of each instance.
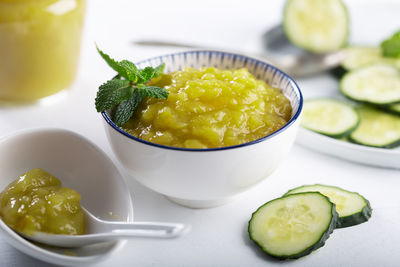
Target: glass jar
(39, 47)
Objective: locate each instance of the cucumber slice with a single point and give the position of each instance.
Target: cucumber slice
(316, 26)
(293, 226)
(352, 208)
(329, 117)
(359, 56)
(377, 129)
(395, 108)
(377, 84)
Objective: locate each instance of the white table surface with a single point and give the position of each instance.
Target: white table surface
(219, 235)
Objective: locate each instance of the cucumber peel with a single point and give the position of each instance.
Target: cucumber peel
(352, 207)
(395, 108)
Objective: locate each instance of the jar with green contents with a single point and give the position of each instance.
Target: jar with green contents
(39, 47)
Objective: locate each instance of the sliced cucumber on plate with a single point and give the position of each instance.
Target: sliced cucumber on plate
(329, 117)
(361, 56)
(316, 26)
(294, 225)
(352, 208)
(377, 128)
(377, 84)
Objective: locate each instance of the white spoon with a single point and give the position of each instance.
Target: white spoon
(102, 231)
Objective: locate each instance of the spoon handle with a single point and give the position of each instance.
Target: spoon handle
(111, 231)
(142, 229)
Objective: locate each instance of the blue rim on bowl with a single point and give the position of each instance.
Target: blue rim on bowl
(220, 56)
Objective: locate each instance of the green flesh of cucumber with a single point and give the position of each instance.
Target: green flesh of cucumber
(329, 117)
(377, 129)
(293, 226)
(315, 25)
(352, 208)
(377, 84)
(359, 56)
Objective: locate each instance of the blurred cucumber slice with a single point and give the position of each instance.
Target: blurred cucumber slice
(377, 84)
(377, 129)
(361, 56)
(330, 117)
(317, 26)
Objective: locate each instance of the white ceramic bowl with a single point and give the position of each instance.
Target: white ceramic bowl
(202, 178)
(80, 165)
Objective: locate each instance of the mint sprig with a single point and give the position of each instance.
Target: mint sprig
(126, 108)
(126, 90)
(391, 47)
(152, 91)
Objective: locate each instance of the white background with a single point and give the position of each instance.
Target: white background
(219, 235)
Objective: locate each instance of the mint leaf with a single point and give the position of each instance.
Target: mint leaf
(159, 70)
(146, 74)
(113, 63)
(126, 109)
(130, 69)
(112, 93)
(152, 91)
(127, 89)
(149, 73)
(391, 46)
(124, 68)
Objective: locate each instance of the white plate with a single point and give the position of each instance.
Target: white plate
(362, 154)
(363, 32)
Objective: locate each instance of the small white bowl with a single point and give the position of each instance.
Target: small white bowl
(80, 165)
(201, 178)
